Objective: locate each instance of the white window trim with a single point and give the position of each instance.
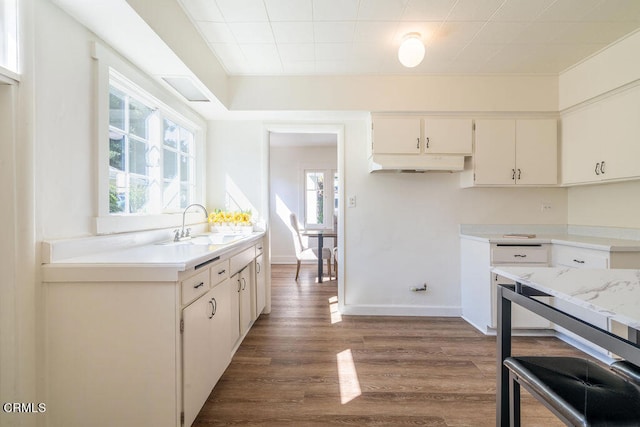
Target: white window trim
(329, 195)
(176, 110)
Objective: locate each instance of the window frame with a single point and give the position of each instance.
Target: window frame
(110, 68)
(329, 196)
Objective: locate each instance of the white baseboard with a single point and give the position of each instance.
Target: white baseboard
(404, 310)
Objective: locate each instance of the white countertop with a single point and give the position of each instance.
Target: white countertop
(614, 293)
(589, 242)
(153, 261)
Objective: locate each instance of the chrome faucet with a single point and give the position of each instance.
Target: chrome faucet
(183, 234)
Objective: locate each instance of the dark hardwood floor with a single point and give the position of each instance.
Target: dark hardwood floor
(304, 365)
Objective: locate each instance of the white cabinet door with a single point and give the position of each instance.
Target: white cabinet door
(261, 282)
(495, 155)
(397, 135)
(580, 148)
(537, 152)
(220, 327)
(234, 309)
(620, 136)
(246, 311)
(447, 135)
(197, 350)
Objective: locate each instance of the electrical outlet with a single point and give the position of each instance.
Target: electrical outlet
(351, 201)
(546, 207)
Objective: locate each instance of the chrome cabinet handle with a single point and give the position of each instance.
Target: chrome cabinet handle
(597, 168)
(222, 272)
(602, 167)
(244, 284)
(519, 173)
(418, 143)
(214, 307)
(199, 285)
(427, 142)
(578, 261)
(258, 267)
(513, 174)
(239, 286)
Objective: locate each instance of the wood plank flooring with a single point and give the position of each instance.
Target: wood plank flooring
(305, 365)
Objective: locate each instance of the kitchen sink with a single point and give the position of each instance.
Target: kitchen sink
(207, 239)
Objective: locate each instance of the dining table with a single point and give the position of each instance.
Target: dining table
(320, 234)
(611, 294)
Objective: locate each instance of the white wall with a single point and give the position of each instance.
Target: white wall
(404, 230)
(287, 165)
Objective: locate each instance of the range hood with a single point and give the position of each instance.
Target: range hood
(416, 163)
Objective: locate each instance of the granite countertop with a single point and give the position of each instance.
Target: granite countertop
(614, 293)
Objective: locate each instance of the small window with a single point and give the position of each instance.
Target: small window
(9, 35)
(151, 157)
(320, 198)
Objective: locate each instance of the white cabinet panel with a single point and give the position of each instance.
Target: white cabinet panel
(495, 152)
(261, 290)
(397, 135)
(447, 135)
(537, 152)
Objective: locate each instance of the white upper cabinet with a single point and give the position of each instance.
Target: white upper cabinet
(422, 135)
(515, 152)
(396, 135)
(601, 141)
(447, 136)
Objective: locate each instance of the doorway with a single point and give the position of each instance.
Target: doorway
(305, 178)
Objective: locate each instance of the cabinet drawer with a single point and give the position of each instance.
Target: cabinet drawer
(239, 261)
(259, 248)
(219, 272)
(519, 255)
(567, 256)
(195, 286)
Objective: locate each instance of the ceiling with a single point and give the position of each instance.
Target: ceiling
(295, 139)
(346, 37)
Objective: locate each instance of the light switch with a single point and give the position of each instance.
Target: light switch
(351, 201)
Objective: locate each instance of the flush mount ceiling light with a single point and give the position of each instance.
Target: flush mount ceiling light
(411, 51)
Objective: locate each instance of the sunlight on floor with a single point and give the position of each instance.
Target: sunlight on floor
(348, 377)
(336, 317)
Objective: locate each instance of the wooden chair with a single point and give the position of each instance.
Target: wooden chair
(304, 253)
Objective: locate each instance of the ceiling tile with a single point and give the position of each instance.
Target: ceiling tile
(427, 10)
(202, 10)
(289, 10)
(540, 32)
(615, 11)
(299, 67)
(333, 51)
(498, 32)
(379, 10)
(252, 32)
(259, 54)
(456, 32)
(372, 51)
(293, 32)
(335, 10)
(297, 52)
(568, 10)
(593, 32)
(334, 32)
(474, 10)
(230, 54)
(381, 32)
(521, 10)
(427, 30)
(243, 10)
(216, 32)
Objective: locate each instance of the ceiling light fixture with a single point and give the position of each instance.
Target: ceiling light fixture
(411, 51)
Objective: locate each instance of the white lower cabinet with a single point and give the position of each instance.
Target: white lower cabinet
(206, 347)
(479, 284)
(141, 346)
(261, 289)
